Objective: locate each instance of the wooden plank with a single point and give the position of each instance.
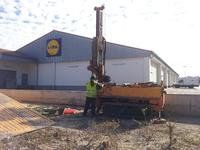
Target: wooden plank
(16, 119)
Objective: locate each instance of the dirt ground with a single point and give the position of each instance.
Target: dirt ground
(78, 132)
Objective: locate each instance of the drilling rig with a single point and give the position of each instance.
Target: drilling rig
(136, 100)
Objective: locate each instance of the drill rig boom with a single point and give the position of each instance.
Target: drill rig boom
(97, 63)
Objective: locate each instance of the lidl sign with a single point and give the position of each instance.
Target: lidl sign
(53, 47)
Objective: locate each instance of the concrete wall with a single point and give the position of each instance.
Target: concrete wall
(176, 104)
(47, 96)
(184, 105)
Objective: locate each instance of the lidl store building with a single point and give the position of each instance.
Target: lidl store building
(59, 60)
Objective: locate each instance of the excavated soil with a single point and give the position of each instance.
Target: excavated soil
(78, 132)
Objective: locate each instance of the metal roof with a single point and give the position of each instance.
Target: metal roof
(78, 48)
(7, 55)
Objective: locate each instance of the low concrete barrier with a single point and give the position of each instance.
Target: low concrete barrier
(47, 96)
(183, 104)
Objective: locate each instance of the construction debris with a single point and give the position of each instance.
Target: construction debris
(68, 111)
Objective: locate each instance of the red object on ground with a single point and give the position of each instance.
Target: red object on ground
(68, 111)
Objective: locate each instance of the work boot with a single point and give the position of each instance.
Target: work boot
(84, 114)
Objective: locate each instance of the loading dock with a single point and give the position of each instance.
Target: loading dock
(7, 79)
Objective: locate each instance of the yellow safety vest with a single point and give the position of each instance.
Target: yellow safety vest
(91, 91)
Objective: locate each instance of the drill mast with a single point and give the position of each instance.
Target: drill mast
(97, 63)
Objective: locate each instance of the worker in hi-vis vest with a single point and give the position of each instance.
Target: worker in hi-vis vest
(91, 94)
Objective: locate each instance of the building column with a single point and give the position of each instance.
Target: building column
(147, 66)
(158, 73)
(165, 77)
(169, 78)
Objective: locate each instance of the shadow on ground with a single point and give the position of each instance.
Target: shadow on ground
(81, 122)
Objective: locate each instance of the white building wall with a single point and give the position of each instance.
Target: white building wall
(63, 74)
(72, 74)
(166, 78)
(46, 74)
(146, 72)
(153, 72)
(130, 70)
(172, 78)
(160, 72)
(76, 73)
(32, 74)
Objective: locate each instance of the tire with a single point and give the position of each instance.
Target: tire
(176, 86)
(191, 86)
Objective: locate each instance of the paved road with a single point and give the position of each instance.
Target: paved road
(186, 91)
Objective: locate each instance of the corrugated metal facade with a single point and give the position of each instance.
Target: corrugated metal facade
(77, 48)
(69, 70)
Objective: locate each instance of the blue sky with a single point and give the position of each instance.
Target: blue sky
(171, 28)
